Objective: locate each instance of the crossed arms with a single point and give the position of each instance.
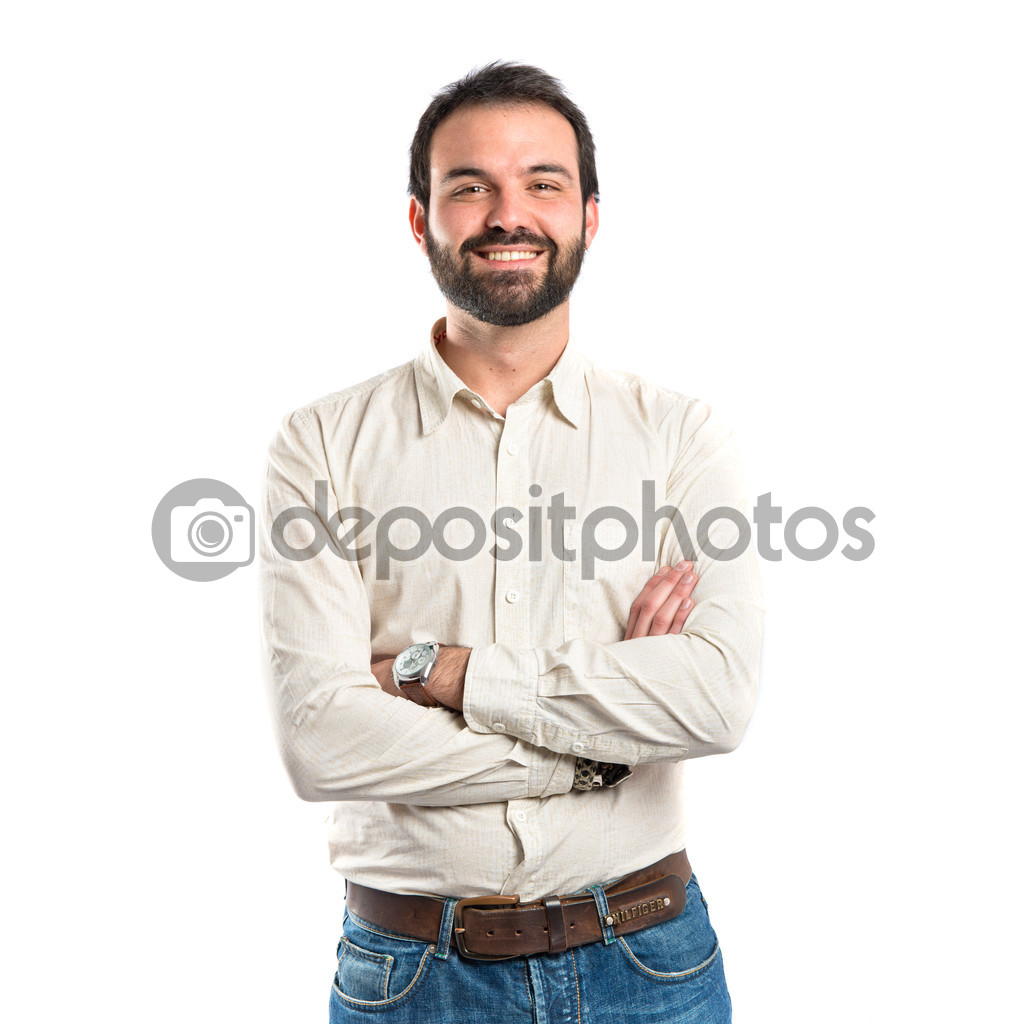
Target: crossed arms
(660, 694)
(661, 607)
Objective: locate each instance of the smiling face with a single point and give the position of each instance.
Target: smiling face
(507, 227)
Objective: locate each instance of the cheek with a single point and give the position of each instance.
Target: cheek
(567, 228)
(455, 225)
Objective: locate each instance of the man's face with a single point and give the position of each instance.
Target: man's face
(507, 226)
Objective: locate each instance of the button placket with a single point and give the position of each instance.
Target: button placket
(519, 817)
(570, 584)
(516, 471)
(510, 610)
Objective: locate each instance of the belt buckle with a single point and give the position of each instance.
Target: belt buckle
(480, 901)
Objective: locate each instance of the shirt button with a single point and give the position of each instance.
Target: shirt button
(520, 815)
(498, 726)
(513, 449)
(512, 596)
(475, 402)
(578, 748)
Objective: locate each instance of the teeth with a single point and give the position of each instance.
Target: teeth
(506, 256)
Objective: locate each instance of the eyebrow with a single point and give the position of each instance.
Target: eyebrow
(476, 172)
(549, 169)
(462, 172)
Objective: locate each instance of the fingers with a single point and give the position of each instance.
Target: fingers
(664, 603)
(648, 597)
(669, 618)
(682, 614)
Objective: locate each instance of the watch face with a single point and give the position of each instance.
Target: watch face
(413, 659)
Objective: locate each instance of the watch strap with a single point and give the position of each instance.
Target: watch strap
(415, 691)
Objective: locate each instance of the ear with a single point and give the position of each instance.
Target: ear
(418, 223)
(590, 219)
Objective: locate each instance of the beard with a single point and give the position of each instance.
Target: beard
(506, 298)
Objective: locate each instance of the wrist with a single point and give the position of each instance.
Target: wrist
(448, 679)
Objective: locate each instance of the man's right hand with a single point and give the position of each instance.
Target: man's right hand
(664, 603)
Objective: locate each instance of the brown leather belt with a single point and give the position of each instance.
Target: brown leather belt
(500, 927)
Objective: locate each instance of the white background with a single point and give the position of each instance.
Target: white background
(811, 217)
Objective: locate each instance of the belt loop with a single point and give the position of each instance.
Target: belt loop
(556, 924)
(444, 934)
(602, 912)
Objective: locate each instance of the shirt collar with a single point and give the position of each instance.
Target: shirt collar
(437, 385)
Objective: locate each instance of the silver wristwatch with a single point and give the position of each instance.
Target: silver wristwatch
(411, 672)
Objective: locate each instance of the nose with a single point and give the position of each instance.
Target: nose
(507, 211)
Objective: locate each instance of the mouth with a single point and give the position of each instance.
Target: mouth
(507, 256)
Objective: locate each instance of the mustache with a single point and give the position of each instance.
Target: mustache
(523, 238)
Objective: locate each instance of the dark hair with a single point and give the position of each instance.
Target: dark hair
(500, 84)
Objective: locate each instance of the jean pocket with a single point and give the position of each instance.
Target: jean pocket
(679, 950)
(377, 970)
(363, 974)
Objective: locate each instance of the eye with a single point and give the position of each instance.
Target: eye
(546, 186)
(469, 189)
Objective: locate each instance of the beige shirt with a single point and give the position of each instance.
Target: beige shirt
(429, 801)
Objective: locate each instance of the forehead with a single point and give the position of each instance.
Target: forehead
(503, 140)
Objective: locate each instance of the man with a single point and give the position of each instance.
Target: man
(475, 709)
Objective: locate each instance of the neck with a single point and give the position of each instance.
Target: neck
(502, 363)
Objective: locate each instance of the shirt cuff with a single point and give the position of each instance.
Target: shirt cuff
(500, 694)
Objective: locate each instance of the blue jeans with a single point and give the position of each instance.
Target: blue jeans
(670, 973)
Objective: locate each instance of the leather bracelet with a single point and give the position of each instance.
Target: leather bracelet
(591, 774)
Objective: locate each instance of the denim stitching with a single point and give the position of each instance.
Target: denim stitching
(671, 975)
(444, 935)
(602, 912)
(369, 957)
(394, 999)
(576, 977)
